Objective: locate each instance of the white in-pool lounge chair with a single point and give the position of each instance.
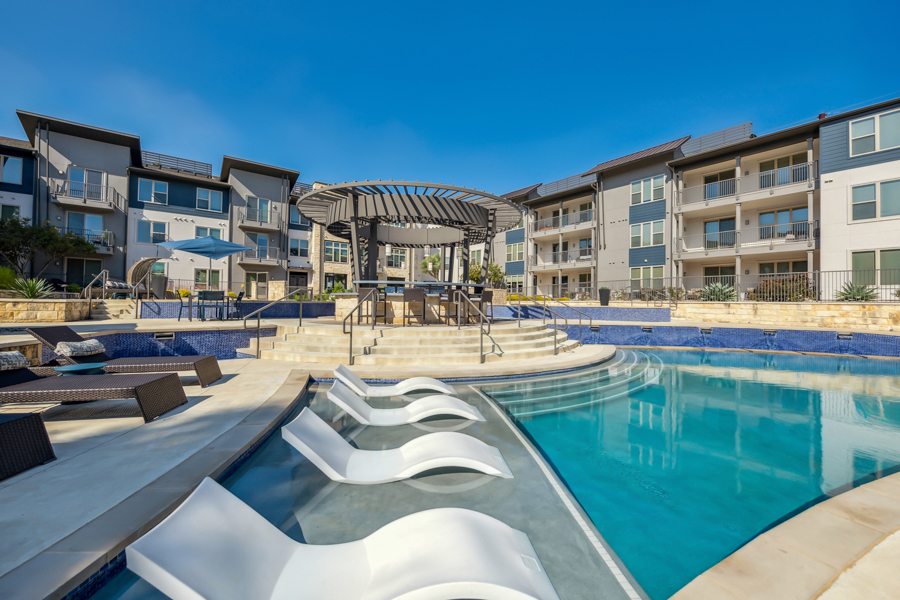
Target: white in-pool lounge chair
(415, 411)
(325, 448)
(216, 547)
(414, 384)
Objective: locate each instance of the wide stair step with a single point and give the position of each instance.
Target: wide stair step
(104, 310)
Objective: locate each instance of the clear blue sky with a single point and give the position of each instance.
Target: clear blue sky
(483, 94)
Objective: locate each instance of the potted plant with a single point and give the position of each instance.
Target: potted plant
(603, 294)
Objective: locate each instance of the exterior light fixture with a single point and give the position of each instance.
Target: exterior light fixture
(388, 247)
(427, 245)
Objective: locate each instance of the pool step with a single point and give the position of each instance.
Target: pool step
(105, 310)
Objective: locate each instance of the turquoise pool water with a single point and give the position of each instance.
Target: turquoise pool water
(681, 457)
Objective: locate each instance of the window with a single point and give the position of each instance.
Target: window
(723, 274)
(875, 200)
(514, 283)
(200, 232)
(209, 200)
(648, 190)
(86, 183)
(647, 277)
(297, 218)
(258, 209)
(474, 258)
(719, 234)
(9, 211)
(332, 279)
(797, 266)
(872, 134)
(718, 185)
(158, 268)
(153, 191)
(648, 234)
(83, 224)
(784, 170)
(151, 232)
(584, 280)
(781, 223)
(336, 252)
(206, 279)
(299, 248)
(515, 252)
(11, 169)
(397, 259)
(871, 267)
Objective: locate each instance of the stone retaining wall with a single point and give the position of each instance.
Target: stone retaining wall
(845, 315)
(31, 311)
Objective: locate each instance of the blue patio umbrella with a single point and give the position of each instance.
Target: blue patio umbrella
(212, 248)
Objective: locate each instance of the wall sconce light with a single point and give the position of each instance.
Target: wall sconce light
(746, 221)
(58, 218)
(746, 271)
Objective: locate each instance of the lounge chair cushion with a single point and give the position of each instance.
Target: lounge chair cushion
(11, 361)
(85, 348)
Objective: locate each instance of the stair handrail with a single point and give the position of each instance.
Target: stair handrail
(258, 313)
(89, 289)
(366, 298)
(482, 318)
(544, 319)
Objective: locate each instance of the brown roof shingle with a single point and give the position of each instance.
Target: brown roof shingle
(523, 192)
(14, 143)
(616, 162)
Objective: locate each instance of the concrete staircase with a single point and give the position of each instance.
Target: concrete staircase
(105, 310)
(432, 345)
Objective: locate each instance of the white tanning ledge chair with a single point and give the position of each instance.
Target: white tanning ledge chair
(414, 384)
(415, 411)
(216, 547)
(325, 448)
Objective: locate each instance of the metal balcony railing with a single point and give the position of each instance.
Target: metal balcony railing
(164, 161)
(87, 193)
(584, 216)
(804, 232)
(562, 185)
(96, 237)
(805, 172)
(566, 257)
(256, 216)
(262, 253)
(301, 188)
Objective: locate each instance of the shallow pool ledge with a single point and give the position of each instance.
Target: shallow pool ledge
(802, 557)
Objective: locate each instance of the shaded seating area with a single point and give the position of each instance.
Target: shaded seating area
(206, 367)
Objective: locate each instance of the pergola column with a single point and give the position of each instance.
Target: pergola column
(464, 277)
(452, 268)
(488, 245)
(372, 252)
(355, 255)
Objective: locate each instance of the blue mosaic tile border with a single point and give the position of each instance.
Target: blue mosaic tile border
(168, 309)
(600, 313)
(92, 584)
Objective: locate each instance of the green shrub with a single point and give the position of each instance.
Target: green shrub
(32, 289)
(718, 292)
(7, 277)
(795, 288)
(857, 292)
(73, 288)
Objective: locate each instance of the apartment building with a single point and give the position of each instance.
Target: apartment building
(17, 181)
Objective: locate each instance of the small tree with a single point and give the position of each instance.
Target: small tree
(431, 264)
(21, 243)
(475, 273)
(495, 274)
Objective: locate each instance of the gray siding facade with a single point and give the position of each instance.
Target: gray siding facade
(834, 146)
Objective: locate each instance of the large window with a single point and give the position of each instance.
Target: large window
(86, 183)
(719, 233)
(474, 258)
(797, 266)
(647, 277)
(515, 252)
(784, 170)
(874, 200)
(153, 191)
(200, 232)
(336, 252)
(206, 279)
(648, 234)
(9, 211)
(258, 209)
(397, 258)
(332, 279)
(648, 190)
(514, 283)
(10, 169)
(299, 248)
(781, 223)
(297, 218)
(718, 185)
(151, 232)
(866, 265)
(719, 274)
(872, 134)
(84, 225)
(209, 200)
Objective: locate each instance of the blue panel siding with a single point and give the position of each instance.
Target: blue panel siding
(834, 147)
(649, 211)
(516, 236)
(168, 309)
(515, 268)
(27, 185)
(182, 197)
(646, 257)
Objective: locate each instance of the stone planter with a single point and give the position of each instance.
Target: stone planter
(20, 310)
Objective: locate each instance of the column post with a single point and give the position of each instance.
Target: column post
(738, 225)
(372, 251)
(355, 255)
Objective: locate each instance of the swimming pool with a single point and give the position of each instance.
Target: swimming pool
(681, 457)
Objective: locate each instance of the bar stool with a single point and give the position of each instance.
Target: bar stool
(486, 297)
(413, 295)
(363, 290)
(447, 297)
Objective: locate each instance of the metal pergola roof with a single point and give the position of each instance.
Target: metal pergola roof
(478, 215)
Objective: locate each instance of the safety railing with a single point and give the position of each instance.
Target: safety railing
(753, 182)
(545, 310)
(566, 257)
(89, 194)
(460, 295)
(96, 237)
(370, 296)
(258, 314)
(584, 216)
(261, 253)
(257, 217)
(165, 161)
(802, 232)
(709, 191)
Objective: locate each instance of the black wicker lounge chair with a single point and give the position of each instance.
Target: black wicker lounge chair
(156, 393)
(206, 367)
(24, 443)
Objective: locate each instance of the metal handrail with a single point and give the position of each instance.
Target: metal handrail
(88, 289)
(364, 299)
(457, 294)
(544, 319)
(258, 314)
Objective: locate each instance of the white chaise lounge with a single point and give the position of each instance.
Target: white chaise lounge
(414, 384)
(325, 448)
(216, 547)
(415, 411)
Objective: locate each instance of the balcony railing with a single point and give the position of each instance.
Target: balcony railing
(262, 253)
(806, 172)
(87, 193)
(165, 161)
(803, 232)
(301, 188)
(97, 237)
(562, 185)
(585, 216)
(566, 257)
(255, 216)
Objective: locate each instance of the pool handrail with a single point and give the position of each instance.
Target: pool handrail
(258, 313)
(457, 294)
(544, 319)
(366, 298)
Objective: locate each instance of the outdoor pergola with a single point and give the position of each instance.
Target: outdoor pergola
(365, 210)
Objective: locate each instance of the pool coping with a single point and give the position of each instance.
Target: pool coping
(76, 566)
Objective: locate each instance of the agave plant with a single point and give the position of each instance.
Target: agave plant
(718, 292)
(857, 292)
(32, 289)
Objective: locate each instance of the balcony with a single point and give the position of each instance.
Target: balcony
(581, 258)
(259, 220)
(261, 256)
(567, 222)
(756, 240)
(173, 163)
(85, 196)
(786, 180)
(103, 241)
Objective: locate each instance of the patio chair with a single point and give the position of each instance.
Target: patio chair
(486, 298)
(413, 295)
(206, 366)
(24, 443)
(334, 456)
(413, 384)
(215, 546)
(237, 307)
(185, 303)
(415, 411)
(156, 394)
